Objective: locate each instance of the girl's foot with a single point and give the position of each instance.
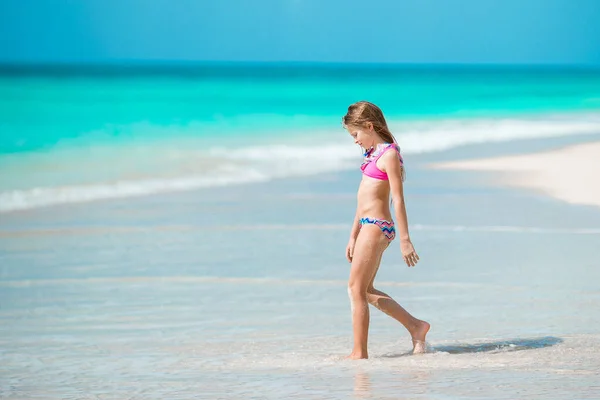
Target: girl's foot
(357, 356)
(418, 337)
(419, 347)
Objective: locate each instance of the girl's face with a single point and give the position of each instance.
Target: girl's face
(364, 136)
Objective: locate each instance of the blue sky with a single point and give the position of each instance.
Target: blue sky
(398, 31)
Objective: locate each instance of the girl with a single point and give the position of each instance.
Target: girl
(373, 229)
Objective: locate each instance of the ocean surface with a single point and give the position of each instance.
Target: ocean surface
(179, 233)
(74, 134)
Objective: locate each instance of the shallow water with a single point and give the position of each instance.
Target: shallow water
(241, 293)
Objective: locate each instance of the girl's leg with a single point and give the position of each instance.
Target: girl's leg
(370, 243)
(418, 329)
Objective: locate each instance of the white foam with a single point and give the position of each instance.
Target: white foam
(194, 168)
(47, 196)
(423, 138)
(333, 153)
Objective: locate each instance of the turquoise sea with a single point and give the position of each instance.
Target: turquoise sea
(72, 134)
(178, 232)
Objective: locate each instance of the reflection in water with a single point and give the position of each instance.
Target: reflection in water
(362, 385)
(396, 382)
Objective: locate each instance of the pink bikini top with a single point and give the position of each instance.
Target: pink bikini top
(369, 165)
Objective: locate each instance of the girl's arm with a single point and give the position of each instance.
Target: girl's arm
(352, 240)
(355, 227)
(393, 168)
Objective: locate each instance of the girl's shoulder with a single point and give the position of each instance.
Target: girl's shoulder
(392, 148)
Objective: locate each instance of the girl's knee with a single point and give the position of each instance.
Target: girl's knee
(357, 291)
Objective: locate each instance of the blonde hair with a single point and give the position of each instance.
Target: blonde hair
(363, 112)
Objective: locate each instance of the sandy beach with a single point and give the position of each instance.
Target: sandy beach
(569, 174)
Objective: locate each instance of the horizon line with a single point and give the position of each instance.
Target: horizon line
(124, 63)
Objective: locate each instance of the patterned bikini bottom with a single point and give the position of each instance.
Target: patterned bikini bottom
(387, 227)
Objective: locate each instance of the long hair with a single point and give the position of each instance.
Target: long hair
(363, 112)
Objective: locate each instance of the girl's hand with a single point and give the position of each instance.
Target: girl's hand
(350, 249)
(408, 253)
